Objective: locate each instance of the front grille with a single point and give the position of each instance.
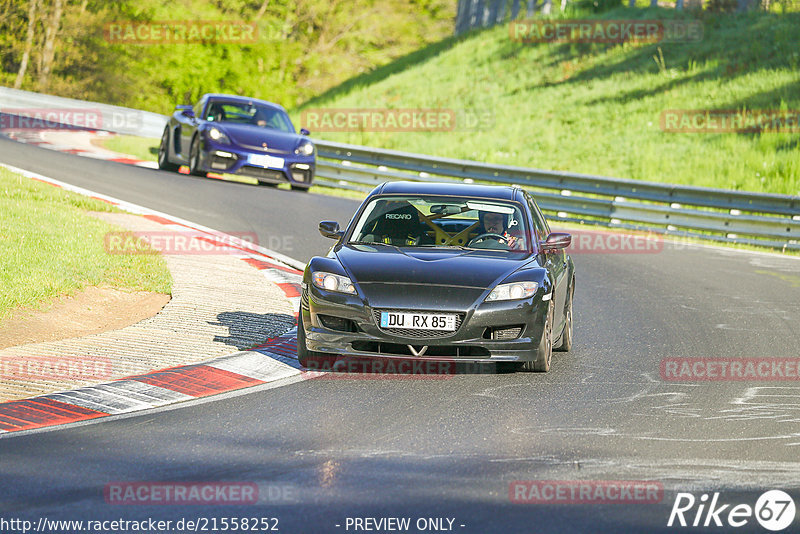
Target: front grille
(218, 162)
(414, 333)
(260, 172)
(301, 176)
(337, 323)
(503, 333)
(436, 351)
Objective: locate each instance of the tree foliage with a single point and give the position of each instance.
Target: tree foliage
(303, 47)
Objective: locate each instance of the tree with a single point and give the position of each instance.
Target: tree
(33, 8)
(49, 51)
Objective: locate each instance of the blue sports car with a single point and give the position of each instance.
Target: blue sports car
(238, 135)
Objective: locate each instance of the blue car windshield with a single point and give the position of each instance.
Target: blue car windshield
(437, 221)
(249, 113)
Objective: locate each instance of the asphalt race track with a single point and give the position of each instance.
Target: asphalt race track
(322, 451)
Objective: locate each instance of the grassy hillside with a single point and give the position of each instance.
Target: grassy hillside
(595, 108)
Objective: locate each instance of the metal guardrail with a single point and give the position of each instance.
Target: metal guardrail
(718, 214)
(110, 118)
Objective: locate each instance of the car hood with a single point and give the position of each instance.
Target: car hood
(255, 136)
(426, 278)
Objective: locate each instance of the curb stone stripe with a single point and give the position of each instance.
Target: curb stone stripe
(122, 396)
(197, 380)
(41, 412)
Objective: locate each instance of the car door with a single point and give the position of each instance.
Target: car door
(556, 264)
(188, 126)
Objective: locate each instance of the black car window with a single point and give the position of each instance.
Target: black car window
(538, 219)
(249, 113)
(442, 222)
(198, 108)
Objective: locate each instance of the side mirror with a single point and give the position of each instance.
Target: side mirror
(556, 241)
(330, 229)
(303, 131)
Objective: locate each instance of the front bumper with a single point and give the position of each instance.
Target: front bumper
(296, 170)
(354, 330)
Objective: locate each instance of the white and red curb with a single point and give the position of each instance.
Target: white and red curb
(273, 360)
(39, 138)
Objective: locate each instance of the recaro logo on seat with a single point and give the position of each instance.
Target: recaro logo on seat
(398, 216)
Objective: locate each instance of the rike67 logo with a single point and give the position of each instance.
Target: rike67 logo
(774, 510)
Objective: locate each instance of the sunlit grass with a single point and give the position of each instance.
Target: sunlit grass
(50, 247)
(596, 108)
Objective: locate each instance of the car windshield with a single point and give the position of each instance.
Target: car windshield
(436, 221)
(249, 113)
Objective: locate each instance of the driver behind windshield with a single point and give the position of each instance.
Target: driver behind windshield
(498, 223)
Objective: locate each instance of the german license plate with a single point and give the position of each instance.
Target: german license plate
(263, 160)
(418, 321)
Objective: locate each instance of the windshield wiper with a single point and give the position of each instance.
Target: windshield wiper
(460, 247)
(369, 243)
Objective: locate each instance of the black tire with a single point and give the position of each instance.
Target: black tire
(163, 154)
(544, 352)
(305, 356)
(300, 188)
(194, 158)
(268, 184)
(565, 345)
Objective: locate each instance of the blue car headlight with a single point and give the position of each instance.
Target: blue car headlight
(306, 148)
(512, 291)
(333, 282)
(215, 134)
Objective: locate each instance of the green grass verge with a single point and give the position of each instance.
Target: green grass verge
(51, 247)
(143, 148)
(596, 108)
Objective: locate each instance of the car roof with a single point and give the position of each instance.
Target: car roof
(241, 99)
(497, 192)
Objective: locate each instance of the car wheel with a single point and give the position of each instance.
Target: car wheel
(566, 336)
(544, 352)
(194, 158)
(300, 188)
(163, 154)
(308, 358)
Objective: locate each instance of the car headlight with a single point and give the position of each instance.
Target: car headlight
(513, 291)
(305, 149)
(217, 135)
(333, 282)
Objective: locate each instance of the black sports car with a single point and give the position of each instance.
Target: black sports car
(464, 273)
(238, 135)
